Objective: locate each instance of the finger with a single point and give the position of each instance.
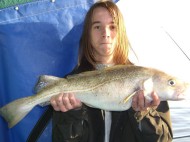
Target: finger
(155, 100)
(54, 104)
(60, 103)
(141, 100)
(134, 102)
(66, 101)
(146, 103)
(137, 101)
(74, 101)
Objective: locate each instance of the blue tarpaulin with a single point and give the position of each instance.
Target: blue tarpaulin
(38, 37)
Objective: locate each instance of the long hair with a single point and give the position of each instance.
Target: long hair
(122, 43)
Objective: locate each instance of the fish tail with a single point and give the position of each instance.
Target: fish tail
(15, 111)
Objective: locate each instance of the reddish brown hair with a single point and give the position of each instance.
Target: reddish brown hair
(122, 45)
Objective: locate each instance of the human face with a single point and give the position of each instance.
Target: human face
(103, 35)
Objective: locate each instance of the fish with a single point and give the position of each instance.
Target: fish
(110, 89)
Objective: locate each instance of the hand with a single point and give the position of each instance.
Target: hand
(139, 103)
(65, 102)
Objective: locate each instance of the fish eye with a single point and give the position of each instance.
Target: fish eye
(171, 82)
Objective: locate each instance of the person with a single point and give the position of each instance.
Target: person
(104, 43)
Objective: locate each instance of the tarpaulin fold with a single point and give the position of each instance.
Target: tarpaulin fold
(36, 38)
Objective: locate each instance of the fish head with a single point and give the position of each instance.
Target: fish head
(170, 88)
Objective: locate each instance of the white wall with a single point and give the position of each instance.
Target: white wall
(147, 23)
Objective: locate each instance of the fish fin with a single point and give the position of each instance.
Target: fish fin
(15, 111)
(43, 81)
(148, 88)
(128, 97)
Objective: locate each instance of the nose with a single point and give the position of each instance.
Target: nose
(106, 32)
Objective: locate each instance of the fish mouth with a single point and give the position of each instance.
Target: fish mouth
(185, 94)
(181, 96)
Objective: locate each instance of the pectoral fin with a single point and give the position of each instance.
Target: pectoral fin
(129, 97)
(148, 85)
(148, 88)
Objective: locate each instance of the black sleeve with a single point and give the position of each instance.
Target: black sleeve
(70, 126)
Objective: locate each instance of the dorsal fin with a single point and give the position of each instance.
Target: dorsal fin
(43, 81)
(86, 73)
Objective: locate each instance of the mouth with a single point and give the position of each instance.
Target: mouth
(105, 43)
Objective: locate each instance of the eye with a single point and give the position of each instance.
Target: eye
(171, 82)
(97, 27)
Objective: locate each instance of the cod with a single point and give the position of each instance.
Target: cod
(110, 89)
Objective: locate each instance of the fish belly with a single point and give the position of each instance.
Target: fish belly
(109, 96)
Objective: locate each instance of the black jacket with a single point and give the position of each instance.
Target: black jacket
(87, 124)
